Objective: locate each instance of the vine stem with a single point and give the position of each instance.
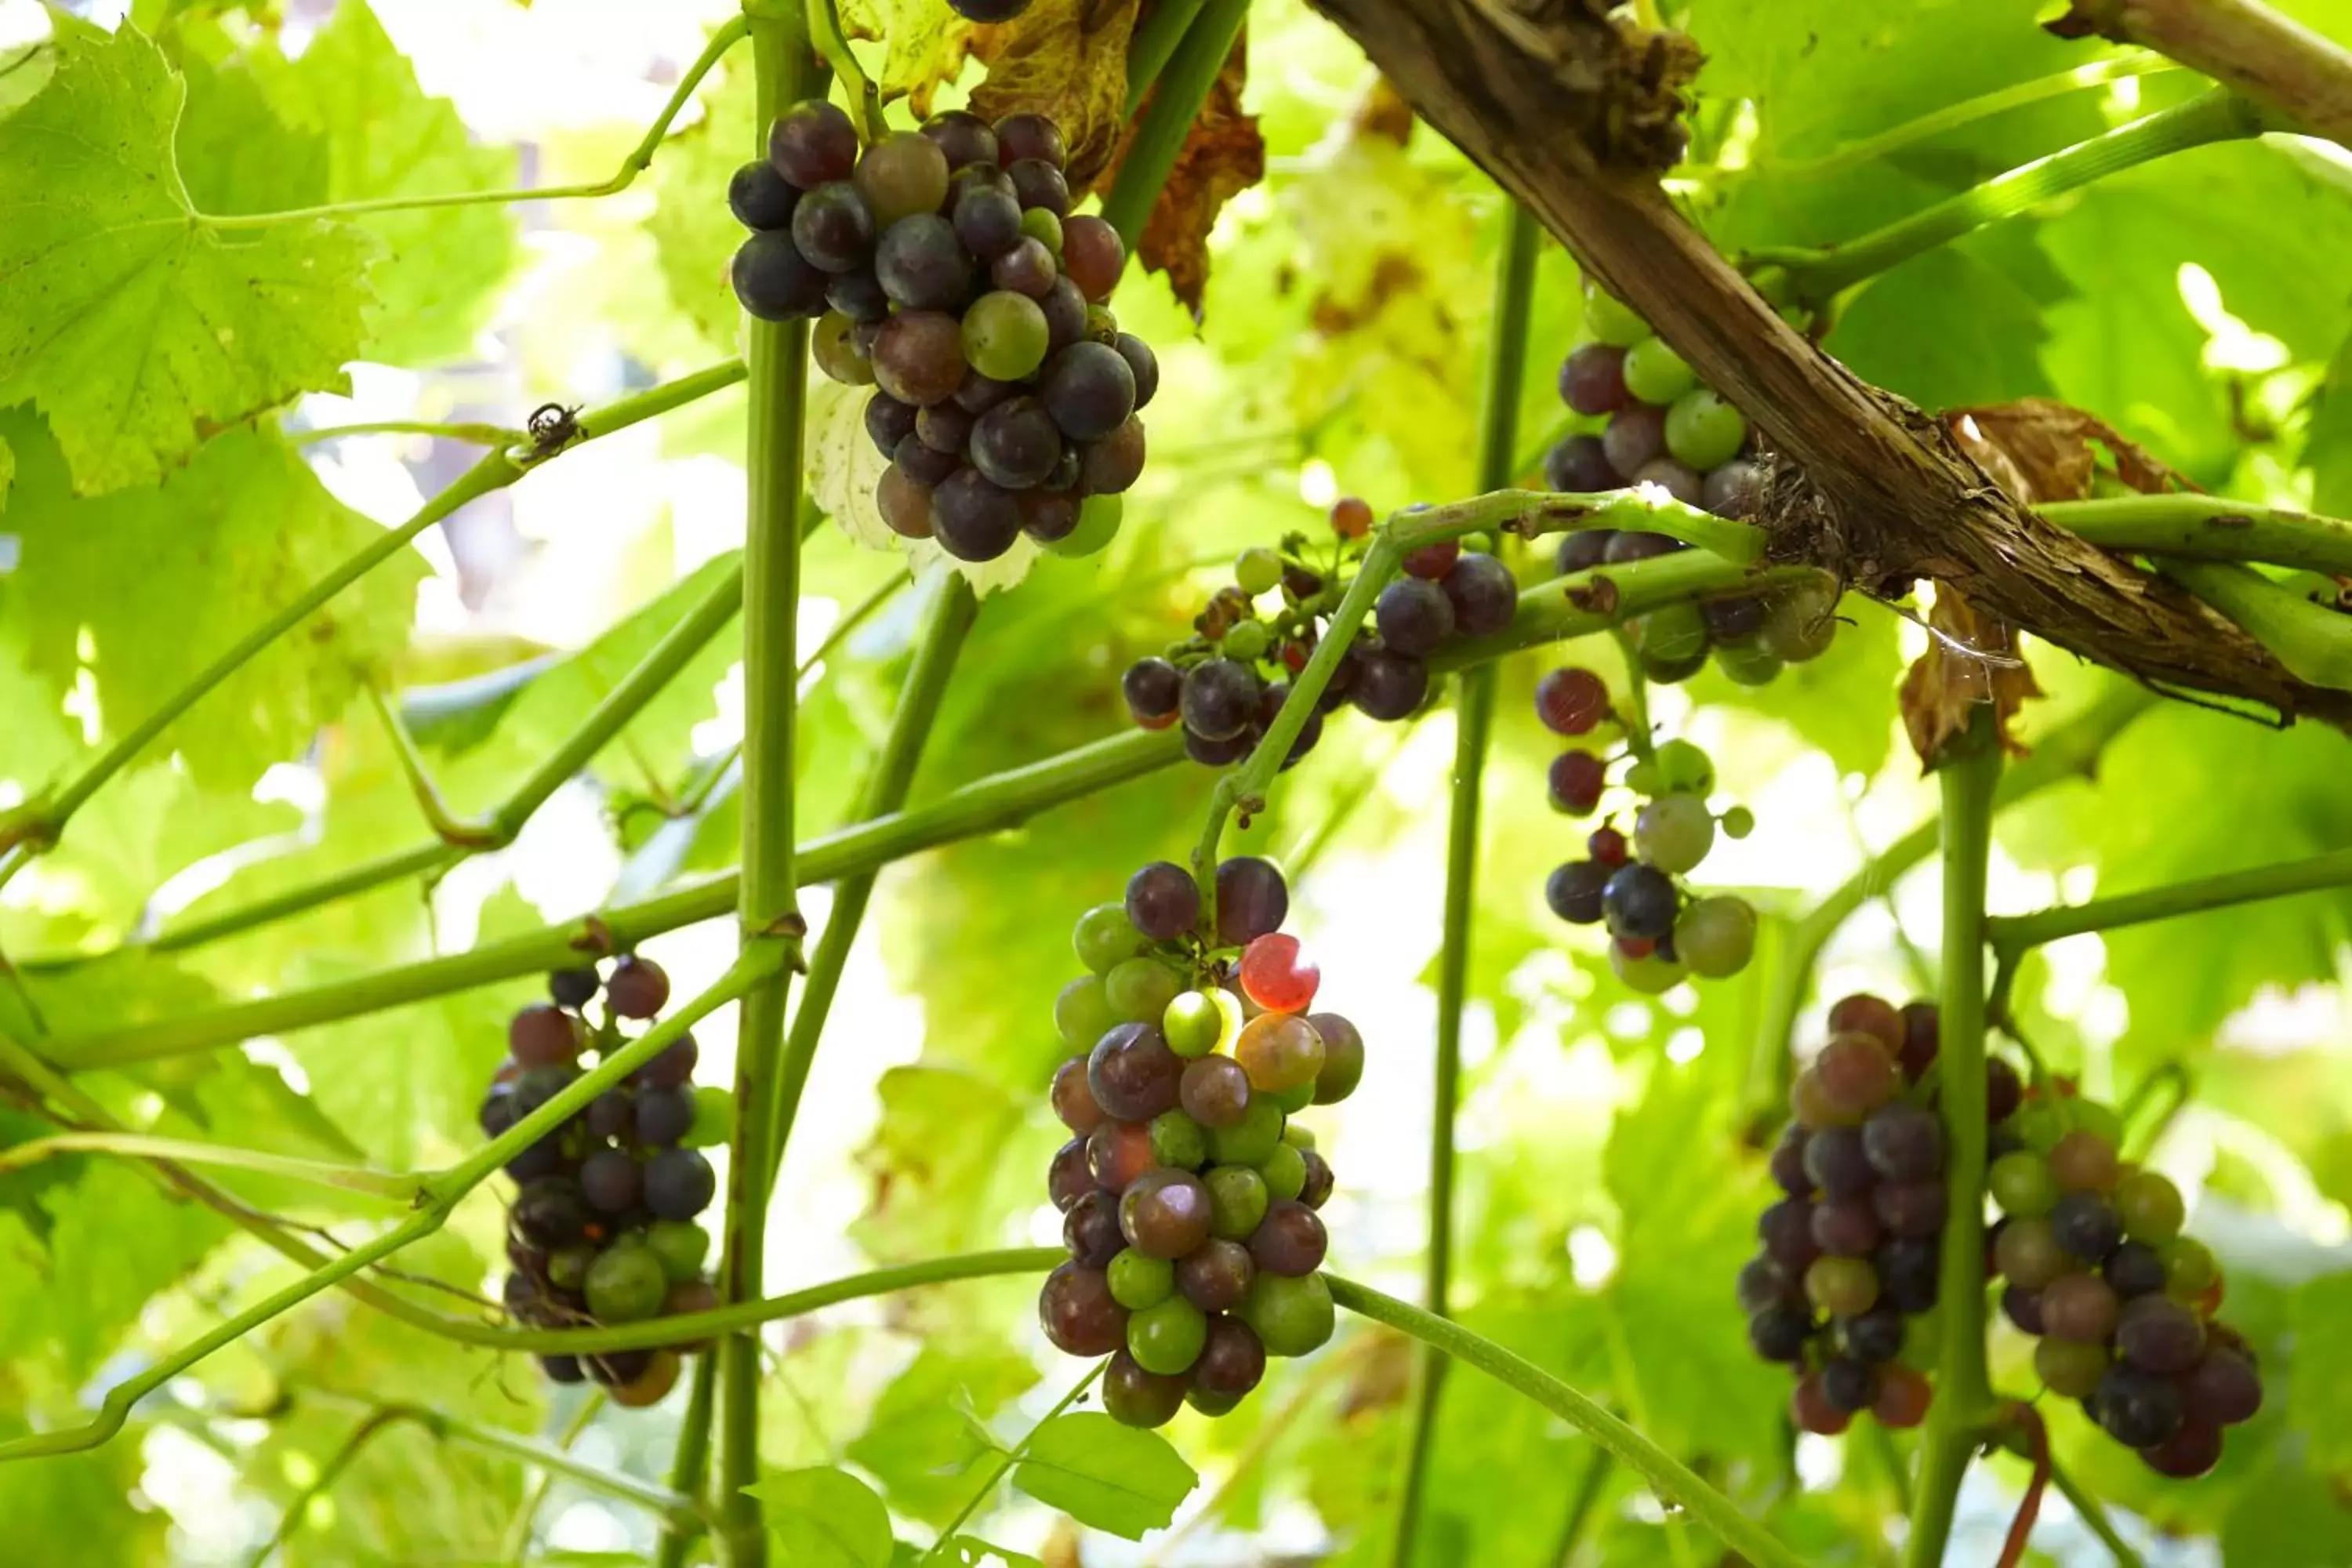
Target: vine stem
(396, 1189)
(1506, 361)
(473, 434)
(2313, 642)
(1581, 1505)
(1674, 1481)
(1007, 1460)
(767, 903)
(518, 1539)
(639, 160)
(2070, 751)
(1820, 274)
(1183, 85)
(2241, 42)
(1957, 1422)
(36, 826)
(2013, 935)
(2207, 528)
(1155, 38)
(2093, 1514)
(438, 1196)
(298, 1510)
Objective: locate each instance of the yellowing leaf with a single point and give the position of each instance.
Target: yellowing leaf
(1222, 156)
(137, 328)
(1065, 59)
(1971, 659)
(924, 44)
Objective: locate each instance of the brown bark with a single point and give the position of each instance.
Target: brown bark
(2272, 59)
(1534, 91)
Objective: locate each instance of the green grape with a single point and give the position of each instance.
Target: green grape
(1257, 571)
(1655, 373)
(1846, 1287)
(1082, 1013)
(1285, 1171)
(1251, 1139)
(1294, 1099)
(567, 1266)
(2151, 1207)
(1479, 543)
(626, 1284)
(1042, 227)
(714, 1118)
(1098, 526)
(1292, 1314)
(901, 176)
(1106, 937)
(1644, 778)
(1683, 769)
(1177, 1139)
(1138, 990)
(2070, 1366)
(1738, 822)
(1703, 431)
(1297, 1135)
(1799, 624)
(1138, 1280)
(1167, 1336)
(1670, 636)
(681, 1245)
(1650, 975)
(2189, 1267)
(1716, 936)
(835, 354)
(1248, 640)
(1747, 664)
(2021, 1183)
(1673, 833)
(1237, 1201)
(1193, 1023)
(1005, 335)
(1612, 323)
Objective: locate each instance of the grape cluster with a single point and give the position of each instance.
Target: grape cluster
(1667, 430)
(1660, 931)
(2120, 1302)
(944, 268)
(1842, 1291)
(1189, 1195)
(602, 1230)
(1229, 680)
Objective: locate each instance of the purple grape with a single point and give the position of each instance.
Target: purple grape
(1163, 902)
(973, 518)
(813, 143)
(1390, 686)
(1592, 379)
(1483, 593)
(1635, 436)
(922, 266)
(1016, 444)
(1579, 465)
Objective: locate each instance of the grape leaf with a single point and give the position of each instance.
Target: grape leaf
(227, 116)
(922, 1436)
(1065, 59)
(220, 545)
(1222, 156)
(2328, 441)
(971, 1552)
(1879, 339)
(1122, 1480)
(72, 1508)
(115, 1239)
(923, 46)
(947, 1160)
(139, 330)
(825, 1519)
(694, 233)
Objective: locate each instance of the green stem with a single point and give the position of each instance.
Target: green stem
(2315, 643)
(672, 1508)
(639, 160)
(1581, 1505)
(1968, 111)
(2070, 751)
(2013, 935)
(476, 434)
(1890, 1459)
(2093, 1514)
(1184, 88)
(1506, 362)
(2207, 528)
(690, 1465)
(447, 826)
(517, 1541)
(1674, 1481)
(392, 1189)
(945, 626)
(39, 826)
(832, 46)
(427, 861)
(1164, 24)
(1008, 1459)
(767, 908)
(2217, 116)
(298, 1510)
(1957, 1422)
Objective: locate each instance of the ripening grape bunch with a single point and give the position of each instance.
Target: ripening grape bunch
(1660, 931)
(1189, 1195)
(2121, 1303)
(601, 1228)
(943, 267)
(1842, 1291)
(1228, 681)
(1667, 430)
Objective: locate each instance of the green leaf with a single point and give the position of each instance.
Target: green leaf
(825, 1519)
(695, 233)
(951, 1153)
(922, 1436)
(1123, 1479)
(74, 1508)
(2320, 1394)
(971, 1552)
(115, 1240)
(219, 546)
(1995, 360)
(228, 115)
(139, 330)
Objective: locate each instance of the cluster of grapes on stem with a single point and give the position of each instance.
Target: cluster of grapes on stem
(1666, 429)
(601, 1228)
(944, 268)
(1227, 682)
(1189, 1195)
(1660, 931)
(2121, 1303)
(1843, 1292)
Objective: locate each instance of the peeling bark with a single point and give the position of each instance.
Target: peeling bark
(2270, 58)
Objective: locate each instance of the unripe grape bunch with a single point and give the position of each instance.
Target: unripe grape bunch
(1189, 1195)
(1843, 1290)
(1666, 429)
(1633, 884)
(2121, 1303)
(944, 268)
(1226, 682)
(601, 1228)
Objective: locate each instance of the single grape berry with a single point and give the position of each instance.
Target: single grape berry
(1592, 379)
(1132, 1073)
(679, 1184)
(1389, 686)
(1278, 976)
(1780, 1332)
(575, 988)
(1219, 699)
(541, 1035)
(1252, 900)
(1153, 688)
(812, 142)
(1164, 901)
(1414, 616)
(664, 1114)
(639, 987)
(1575, 891)
(2086, 1226)
(1575, 782)
(1640, 902)
(760, 197)
(1571, 701)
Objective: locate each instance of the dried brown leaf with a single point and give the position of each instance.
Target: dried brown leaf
(1222, 156)
(2040, 450)
(1971, 659)
(1065, 59)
